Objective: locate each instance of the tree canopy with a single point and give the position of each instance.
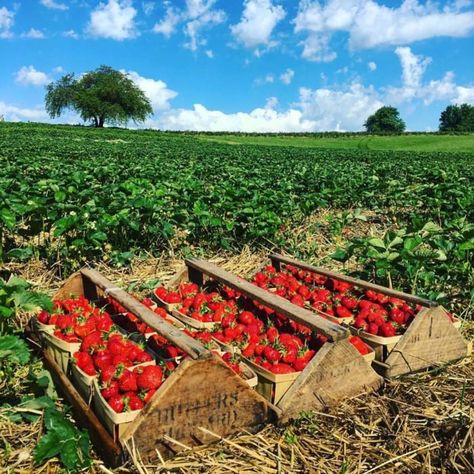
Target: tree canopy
(457, 118)
(101, 96)
(385, 120)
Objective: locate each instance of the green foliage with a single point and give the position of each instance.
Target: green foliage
(426, 260)
(16, 295)
(83, 195)
(64, 440)
(457, 118)
(102, 96)
(385, 120)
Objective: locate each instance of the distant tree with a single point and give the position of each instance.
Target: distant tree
(386, 120)
(101, 96)
(457, 118)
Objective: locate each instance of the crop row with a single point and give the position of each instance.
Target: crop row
(74, 195)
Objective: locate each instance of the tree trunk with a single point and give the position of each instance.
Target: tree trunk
(96, 123)
(101, 121)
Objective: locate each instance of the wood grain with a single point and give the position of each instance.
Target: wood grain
(430, 340)
(336, 372)
(199, 394)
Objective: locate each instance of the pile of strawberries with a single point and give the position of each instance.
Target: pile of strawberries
(269, 339)
(368, 310)
(105, 352)
(74, 319)
(130, 389)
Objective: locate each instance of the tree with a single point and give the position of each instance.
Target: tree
(457, 118)
(102, 96)
(386, 120)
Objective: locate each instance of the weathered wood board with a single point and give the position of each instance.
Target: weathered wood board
(430, 340)
(199, 394)
(336, 372)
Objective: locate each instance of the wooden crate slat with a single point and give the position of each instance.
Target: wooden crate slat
(92, 279)
(198, 394)
(336, 372)
(430, 340)
(333, 331)
(277, 258)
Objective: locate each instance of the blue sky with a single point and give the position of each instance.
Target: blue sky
(252, 65)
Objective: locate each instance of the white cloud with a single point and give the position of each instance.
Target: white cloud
(316, 48)
(413, 87)
(70, 34)
(339, 109)
(13, 113)
(267, 79)
(209, 53)
(6, 22)
(113, 20)
(148, 8)
(167, 26)
(33, 34)
(194, 27)
(28, 75)
(259, 18)
(157, 91)
(287, 76)
(58, 69)
(265, 119)
(54, 5)
(196, 16)
(372, 66)
(371, 24)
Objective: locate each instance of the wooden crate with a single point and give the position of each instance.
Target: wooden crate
(337, 371)
(202, 395)
(430, 340)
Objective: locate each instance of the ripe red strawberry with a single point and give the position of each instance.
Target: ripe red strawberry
(146, 396)
(173, 297)
(43, 317)
(109, 373)
(282, 369)
(349, 302)
(149, 377)
(397, 315)
(102, 359)
(128, 381)
(249, 350)
(343, 312)
(92, 341)
(290, 355)
(271, 354)
(117, 403)
(84, 326)
(272, 333)
(373, 329)
(134, 402)
(387, 330)
(361, 323)
(143, 356)
(297, 300)
(82, 359)
(110, 390)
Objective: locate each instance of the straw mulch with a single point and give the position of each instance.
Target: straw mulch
(418, 424)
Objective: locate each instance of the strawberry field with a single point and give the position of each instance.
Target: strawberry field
(133, 204)
(70, 195)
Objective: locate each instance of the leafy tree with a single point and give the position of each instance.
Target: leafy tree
(102, 96)
(386, 120)
(457, 118)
